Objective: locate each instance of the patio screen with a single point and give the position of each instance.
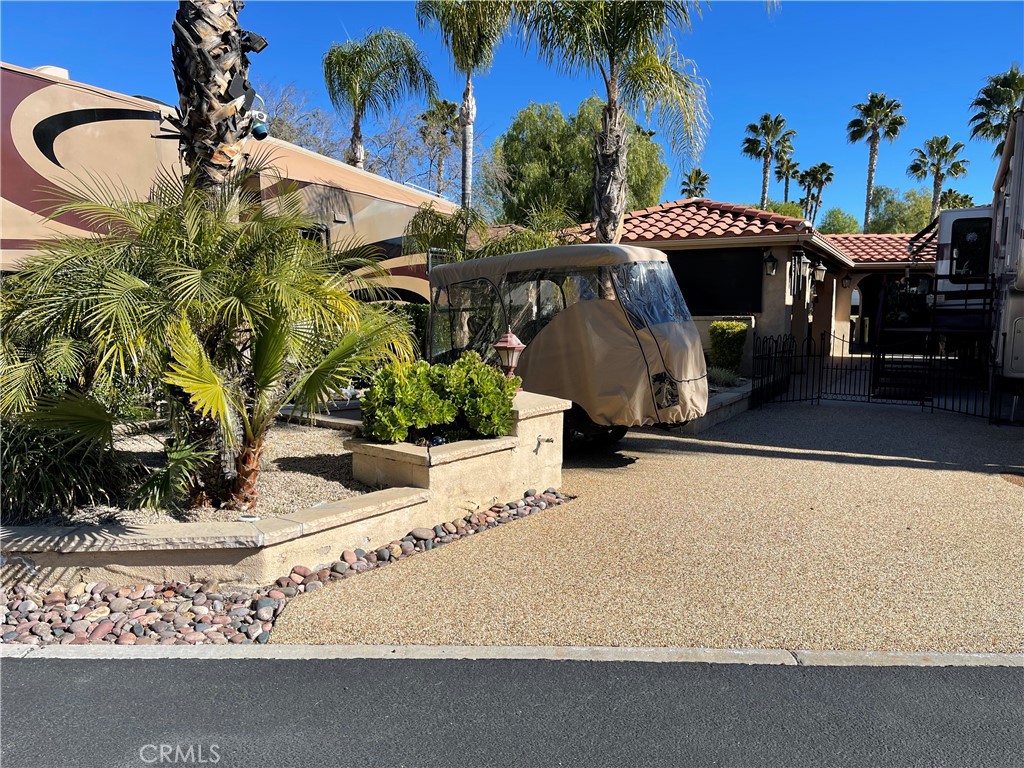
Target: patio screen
(720, 282)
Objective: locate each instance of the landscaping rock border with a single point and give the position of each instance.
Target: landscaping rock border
(176, 613)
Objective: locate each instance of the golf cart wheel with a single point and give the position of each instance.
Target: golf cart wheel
(581, 433)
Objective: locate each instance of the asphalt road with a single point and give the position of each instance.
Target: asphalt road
(312, 713)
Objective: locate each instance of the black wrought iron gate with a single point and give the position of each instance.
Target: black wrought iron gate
(832, 368)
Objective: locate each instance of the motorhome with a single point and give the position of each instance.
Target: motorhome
(57, 132)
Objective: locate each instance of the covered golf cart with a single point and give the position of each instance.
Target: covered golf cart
(605, 326)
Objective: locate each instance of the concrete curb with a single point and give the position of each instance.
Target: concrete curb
(553, 653)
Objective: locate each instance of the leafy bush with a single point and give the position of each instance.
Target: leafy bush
(722, 377)
(49, 472)
(414, 400)
(727, 340)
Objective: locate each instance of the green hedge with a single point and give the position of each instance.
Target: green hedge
(413, 401)
(727, 340)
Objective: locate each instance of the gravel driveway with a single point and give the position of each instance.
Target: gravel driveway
(839, 526)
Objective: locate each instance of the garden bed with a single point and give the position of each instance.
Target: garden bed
(303, 466)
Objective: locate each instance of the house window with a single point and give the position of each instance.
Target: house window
(718, 282)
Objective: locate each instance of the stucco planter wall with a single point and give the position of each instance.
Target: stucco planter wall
(464, 476)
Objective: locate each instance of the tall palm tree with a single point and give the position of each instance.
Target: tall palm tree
(813, 182)
(940, 160)
(210, 293)
(763, 141)
(630, 45)
(211, 70)
(786, 170)
(372, 75)
(877, 118)
(471, 31)
(995, 102)
(695, 183)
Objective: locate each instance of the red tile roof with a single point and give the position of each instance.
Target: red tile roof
(881, 249)
(700, 219)
(703, 219)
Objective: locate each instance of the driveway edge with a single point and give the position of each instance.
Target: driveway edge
(545, 653)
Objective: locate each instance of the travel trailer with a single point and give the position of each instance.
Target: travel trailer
(57, 132)
(605, 326)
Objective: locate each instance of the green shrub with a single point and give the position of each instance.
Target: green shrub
(408, 401)
(722, 377)
(727, 340)
(48, 472)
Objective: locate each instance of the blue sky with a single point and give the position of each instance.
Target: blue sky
(809, 61)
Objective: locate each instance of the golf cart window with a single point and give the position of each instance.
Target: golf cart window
(467, 315)
(649, 291)
(535, 298)
(971, 239)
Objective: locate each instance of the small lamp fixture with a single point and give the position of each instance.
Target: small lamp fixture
(802, 262)
(771, 264)
(509, 348)
(819, 272)
(847, 281)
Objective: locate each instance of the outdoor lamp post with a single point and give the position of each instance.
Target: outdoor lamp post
(509, 348)
(771, 264)
(819, 272)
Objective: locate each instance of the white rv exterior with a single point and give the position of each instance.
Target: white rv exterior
(974, 243)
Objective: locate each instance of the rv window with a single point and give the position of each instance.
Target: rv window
(467, 316)
(971, 241)
(318, 234)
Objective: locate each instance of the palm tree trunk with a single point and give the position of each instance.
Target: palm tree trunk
(207, 57)
(785, 190)
(610, 189)
(936, 194)
(764, 180)
(872, 162)
(467, 115)
(356, 150)
(247, 465)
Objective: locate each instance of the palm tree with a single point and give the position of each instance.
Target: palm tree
(372, 75)
(695, 184)
(939, 160)
(813, 181)
(209, 60)
(786, 170)
(211, 294)
(951, 199)
(995, 102)
(630, 46)
(877, 118)
(471, 31)
(764, 140)
(437, 133)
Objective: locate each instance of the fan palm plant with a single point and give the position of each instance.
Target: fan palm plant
(471, 31)
(941, 160)
(438, 134)
(214, 294)
(877, 118)
(813, 182)
(764, 140)
(368, 77)
(630, 46)
(208, 56)
(695, 183)
(995, 102)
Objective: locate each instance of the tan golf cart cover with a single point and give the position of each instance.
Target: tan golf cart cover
(605, 326)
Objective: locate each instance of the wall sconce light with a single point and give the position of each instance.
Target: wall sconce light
(801, 261)
(847, 281)
(819, 272)
(771, 264)
(509, 348)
